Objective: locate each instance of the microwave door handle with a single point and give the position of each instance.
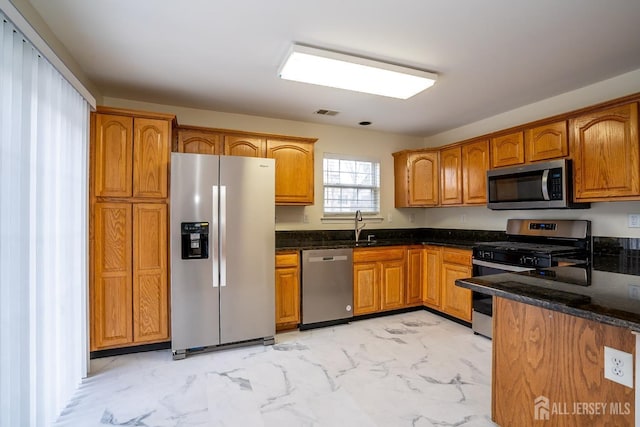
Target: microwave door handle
(545, 184)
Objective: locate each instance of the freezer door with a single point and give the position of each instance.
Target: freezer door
(247, 242)
(194, 284)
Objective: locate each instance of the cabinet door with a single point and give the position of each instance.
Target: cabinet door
(247, 146)
(150, 157)
(366, 288)
(451, 176)
(475, 163)
(456, 301)
(546, 142)
(415, 275)
(111, 320)
(287, 289)
(605, 152)
(112, 163)
(199, 142)
(150, 293)
(294, 171)
(392, 283)
(507, 150)
(432, 268)
(287, 296)
(423, 183)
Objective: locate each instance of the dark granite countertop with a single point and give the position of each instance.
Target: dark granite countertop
(328, 239)
(333, 244)
(602, 296)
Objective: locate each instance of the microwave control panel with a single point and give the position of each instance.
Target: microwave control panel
(555, 184)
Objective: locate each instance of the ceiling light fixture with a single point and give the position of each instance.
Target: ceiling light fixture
(320, 67)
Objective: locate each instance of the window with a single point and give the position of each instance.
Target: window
(351, 184)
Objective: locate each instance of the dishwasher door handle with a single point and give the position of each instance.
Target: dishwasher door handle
(327, 258)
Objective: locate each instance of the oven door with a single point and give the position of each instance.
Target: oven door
(481, 320)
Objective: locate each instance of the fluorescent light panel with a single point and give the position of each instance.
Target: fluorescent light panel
(309, 65)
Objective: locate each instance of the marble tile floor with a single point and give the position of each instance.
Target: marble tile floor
(411, 369)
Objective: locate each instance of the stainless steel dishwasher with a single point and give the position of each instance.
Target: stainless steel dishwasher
(327, 287)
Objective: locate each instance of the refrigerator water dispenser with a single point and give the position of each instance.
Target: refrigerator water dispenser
(195, 240)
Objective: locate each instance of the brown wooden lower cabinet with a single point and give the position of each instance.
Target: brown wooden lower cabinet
(378, 279)
(287, 283)
(442, 267)
(456, 301)
(432, 288)
(129, 292)
(415, 275)
(547, 363)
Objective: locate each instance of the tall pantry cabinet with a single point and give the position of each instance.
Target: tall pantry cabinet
(129, 166)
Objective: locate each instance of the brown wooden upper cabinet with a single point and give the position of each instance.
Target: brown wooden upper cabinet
(244, 145)
(475, 163)
(131, 156)
(507, 150)
(451, 176)
(294, 170)
(416, 178)
(199, 141)
(546, 142)
(605, 150)
(293, 155)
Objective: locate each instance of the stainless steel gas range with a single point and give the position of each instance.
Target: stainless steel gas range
(531, 244)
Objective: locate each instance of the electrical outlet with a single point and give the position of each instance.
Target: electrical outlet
(389, 217)
(618, 366)
(412, 217)
(305, 219)
(463, 219)
(634, 220)
(634, 291)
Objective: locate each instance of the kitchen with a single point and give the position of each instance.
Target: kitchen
(609, 219)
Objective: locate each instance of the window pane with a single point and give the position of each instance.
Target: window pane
(350, 185)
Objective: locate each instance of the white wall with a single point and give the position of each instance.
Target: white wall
(608, 219)
(625, 84)
(332, 139)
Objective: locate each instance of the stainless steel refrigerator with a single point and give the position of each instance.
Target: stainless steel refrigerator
(222, 251)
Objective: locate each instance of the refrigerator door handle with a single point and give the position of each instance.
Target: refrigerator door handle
(223, 235)
(215, 233)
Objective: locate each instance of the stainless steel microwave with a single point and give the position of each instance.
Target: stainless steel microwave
(546, 185)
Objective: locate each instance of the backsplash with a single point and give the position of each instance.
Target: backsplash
(616, 245)
(617, 254)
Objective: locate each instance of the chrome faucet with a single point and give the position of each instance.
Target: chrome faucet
(358, 228)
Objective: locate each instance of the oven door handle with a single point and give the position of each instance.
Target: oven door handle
(504, 267)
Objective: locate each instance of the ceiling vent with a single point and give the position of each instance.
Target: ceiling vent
(327, 112)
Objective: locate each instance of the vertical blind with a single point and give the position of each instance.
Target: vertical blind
(43, 234)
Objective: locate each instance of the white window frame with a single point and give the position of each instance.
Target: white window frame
(375, 187)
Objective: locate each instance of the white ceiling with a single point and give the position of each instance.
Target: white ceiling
(491, 55)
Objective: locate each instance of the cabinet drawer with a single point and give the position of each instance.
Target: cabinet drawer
(386, 254)
(454, 256)
(287, 259)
